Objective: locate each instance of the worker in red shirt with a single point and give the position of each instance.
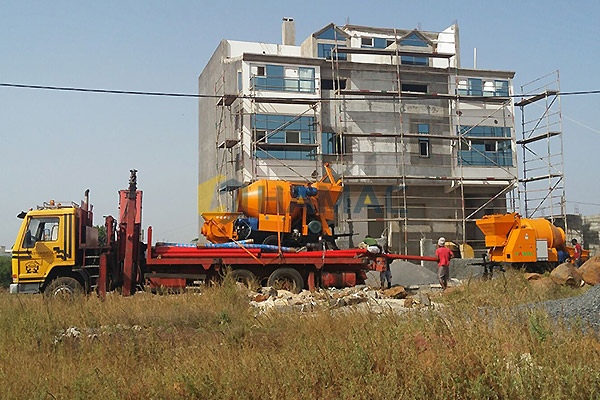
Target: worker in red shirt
(443, 255)
(577, 253)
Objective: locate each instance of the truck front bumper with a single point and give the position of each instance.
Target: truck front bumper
(24, 288)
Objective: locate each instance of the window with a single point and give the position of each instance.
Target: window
(332, 143)
(411, 87)
(281, 130)
(410, 60)
(389, 42)
(423, 129)
(292, 137)
(330, 84)
(324, 50)
(41, 230)
(479, 87)
(284, 79)
(478, 152)
(329, 34)
(413, 40)
(424, 147)
(366, 42)
(501, 88)
(485, 131)
(239, 81)
(260, 136)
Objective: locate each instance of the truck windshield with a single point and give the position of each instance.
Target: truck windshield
(41, 230)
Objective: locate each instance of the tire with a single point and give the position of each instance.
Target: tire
(244, 276)
(286, 278)
(64, 287)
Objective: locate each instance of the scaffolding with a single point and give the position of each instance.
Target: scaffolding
(542, 187)
(377, 141)
(393, 151)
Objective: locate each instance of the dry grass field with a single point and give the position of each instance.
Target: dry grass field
(477, 344)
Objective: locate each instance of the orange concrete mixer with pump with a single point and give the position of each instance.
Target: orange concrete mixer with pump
(278, 212)
(530, 242)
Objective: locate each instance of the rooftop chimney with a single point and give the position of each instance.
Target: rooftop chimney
(288, 32)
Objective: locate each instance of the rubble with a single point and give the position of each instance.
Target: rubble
(360, 298)
(397, 292)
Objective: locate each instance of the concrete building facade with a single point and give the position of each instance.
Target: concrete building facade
(424, 146)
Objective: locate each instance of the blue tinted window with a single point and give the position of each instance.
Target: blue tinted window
(275, 80)
(475, 87)
(487, 153)
(501, 88)
(329, 34)
(485, 131)
(423, 128)
(413, 40)
(409, 60)
(379, 43)
(324, 51)
(277, 128)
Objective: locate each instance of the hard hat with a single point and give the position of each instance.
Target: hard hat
(441, 241)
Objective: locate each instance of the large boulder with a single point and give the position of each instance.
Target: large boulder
(532, 276)
(566, 274)
(590, 271)
(543, 284)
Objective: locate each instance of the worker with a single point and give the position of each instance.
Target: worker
(443, 255)
(386, 274)
(577, 253)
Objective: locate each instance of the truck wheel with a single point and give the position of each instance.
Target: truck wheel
(286, 278)
(64, 286)
(244, 276)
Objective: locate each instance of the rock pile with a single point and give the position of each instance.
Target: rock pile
(362, 298)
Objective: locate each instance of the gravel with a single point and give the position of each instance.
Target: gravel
(585, 307)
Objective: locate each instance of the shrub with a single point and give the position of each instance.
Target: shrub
(5, 271)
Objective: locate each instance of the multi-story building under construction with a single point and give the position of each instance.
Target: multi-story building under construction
(424, 146)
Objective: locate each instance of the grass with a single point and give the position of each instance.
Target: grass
(211, 345)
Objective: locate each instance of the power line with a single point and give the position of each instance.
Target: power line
(202, 95)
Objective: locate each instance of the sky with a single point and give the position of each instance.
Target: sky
(54, 145)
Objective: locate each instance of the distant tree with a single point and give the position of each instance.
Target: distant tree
(5, 271)
(101, 235)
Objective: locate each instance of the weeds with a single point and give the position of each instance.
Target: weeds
(211, 345)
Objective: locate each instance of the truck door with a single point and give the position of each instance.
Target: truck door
(43, 247)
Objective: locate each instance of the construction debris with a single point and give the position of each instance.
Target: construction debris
(360, 298)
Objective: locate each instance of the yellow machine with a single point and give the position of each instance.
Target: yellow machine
(50, 250)
(513, 239)
(273, 211)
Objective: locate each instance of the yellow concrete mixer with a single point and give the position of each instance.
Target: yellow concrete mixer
(278, 212)
(535, 243)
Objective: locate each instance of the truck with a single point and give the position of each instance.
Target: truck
(58, 252)
(532, 243)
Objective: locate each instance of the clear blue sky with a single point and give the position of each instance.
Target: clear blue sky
(54, 145)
